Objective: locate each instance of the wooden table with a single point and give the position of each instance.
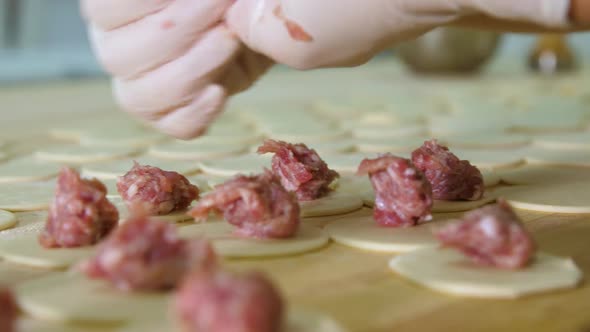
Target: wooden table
(354, 286)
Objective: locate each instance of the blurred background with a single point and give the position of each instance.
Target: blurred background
(45, 40)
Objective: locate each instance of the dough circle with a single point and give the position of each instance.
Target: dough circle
(334, 204)
(76, 154)
(50, 298)
(226, 244)
(7, 220)
(449, 271)
(24, 249)
(27, 169)
(116, 168)
(364, 233)
(17, 197)
(195, 151)
(246, 164)
(444, 206)
(553, 198)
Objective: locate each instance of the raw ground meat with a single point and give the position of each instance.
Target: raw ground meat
(300, 169)
(257, 205)
(80, 214)
(403, 196)
(158, 192)
(451, 179)
(8, 311)
(221, 301)
(492, 236)
(145, 254)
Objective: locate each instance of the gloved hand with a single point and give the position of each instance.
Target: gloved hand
(309, 34)
(174, 62)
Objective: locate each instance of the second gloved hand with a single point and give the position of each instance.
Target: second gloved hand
(319, 33)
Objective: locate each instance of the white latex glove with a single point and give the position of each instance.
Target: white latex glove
(308, 34)
(174, 62)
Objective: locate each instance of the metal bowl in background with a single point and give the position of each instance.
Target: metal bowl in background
(449, 50)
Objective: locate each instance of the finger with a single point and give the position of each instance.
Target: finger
(176, 82)
(145, 44)
(111, 14)
(192, 120)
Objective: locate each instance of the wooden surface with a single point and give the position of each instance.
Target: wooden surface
(354, 286)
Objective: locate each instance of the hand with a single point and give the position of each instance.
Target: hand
(174, 62)
(322, 33)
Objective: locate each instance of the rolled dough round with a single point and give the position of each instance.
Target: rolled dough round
(246, 164)
(364, 233)
(224, 241)
(449, 271)
(25, 249)
(335, 203)
(569, 197)
(26, 169)
(77, 154)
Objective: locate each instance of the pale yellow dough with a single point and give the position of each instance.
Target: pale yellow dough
(32, 325)
(403, 145)
(246, 164)
(76, 154)
(570, 141)
(7, 220)
(445, 206)
(569, 197)
(335, 203)
(26, 169)
(297, 321)
(116, 168)
(221, 234)
(539, 174)
(196, 150)
(26, 196)
(489, 141)
(346, 163)
(50, 298)
(176, 217)
(364, 233)
(497, 158)
(25, 249)
(561, 157)
(133, 138)
(449, 271)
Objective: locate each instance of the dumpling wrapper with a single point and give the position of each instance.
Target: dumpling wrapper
(50, 298)
(449, 271)
(363, 232)
(226, 244)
